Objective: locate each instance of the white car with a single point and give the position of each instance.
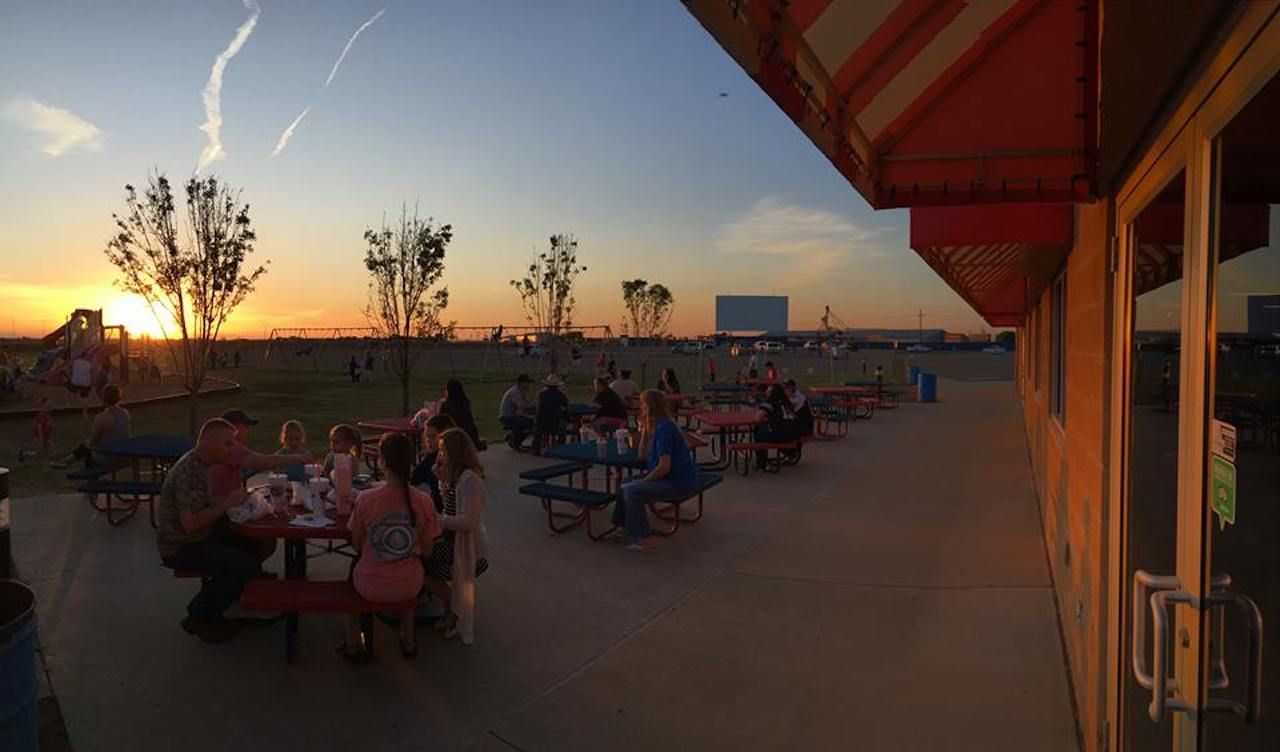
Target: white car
(813, 345)
(994, 350)
(919, 348)
(771, 347)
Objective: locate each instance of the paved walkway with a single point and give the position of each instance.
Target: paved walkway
(890, 593)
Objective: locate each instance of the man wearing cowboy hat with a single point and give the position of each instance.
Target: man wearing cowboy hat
(553, 410)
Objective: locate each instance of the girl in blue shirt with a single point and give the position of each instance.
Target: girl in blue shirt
(672, 474)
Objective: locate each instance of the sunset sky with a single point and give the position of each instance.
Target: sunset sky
(511, 120)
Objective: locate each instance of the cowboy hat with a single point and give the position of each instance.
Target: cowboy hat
(553, 380)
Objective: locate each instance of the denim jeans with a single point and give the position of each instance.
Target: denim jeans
(631, 511)
(231, 559)
(518, 425)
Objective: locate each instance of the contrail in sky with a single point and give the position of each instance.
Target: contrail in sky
(213, 89)
(288, 132)
(350, 42)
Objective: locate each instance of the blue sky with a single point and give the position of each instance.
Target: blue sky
(512, 120)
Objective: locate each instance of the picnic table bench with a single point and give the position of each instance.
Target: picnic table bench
(314, 597)
(743, 451)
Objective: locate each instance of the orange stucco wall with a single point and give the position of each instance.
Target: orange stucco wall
(1068, 460)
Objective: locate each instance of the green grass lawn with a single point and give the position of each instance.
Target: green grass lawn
(322, 398)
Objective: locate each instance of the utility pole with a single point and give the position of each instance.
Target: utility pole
(920, 325)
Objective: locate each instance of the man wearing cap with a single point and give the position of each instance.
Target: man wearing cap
(229, 476)
(515, 413)
(191, 532)
(553, 409)
(625, 387)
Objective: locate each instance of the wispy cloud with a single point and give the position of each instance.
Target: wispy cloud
(288, 132)
(774, 228)
(213, 88)
(60, 130)
(350, 42)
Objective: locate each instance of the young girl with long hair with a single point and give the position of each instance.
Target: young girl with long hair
(459, 556)
(671, 474)
(391, 525)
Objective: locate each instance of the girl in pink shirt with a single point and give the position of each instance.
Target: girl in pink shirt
(391, 525)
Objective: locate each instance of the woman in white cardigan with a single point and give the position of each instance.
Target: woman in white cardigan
(459, 556)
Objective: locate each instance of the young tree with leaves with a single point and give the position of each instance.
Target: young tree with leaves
(649, 307)
(194, 276)
(546, 291)
(405, 261)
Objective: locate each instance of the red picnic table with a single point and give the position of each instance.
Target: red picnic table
(726, 425)
(388, 425)
(295, 537)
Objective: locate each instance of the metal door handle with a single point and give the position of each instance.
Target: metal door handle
(1143, 582)
(1252, 704)
(1162, 683)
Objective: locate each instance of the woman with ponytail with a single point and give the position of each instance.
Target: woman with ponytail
(391, 525)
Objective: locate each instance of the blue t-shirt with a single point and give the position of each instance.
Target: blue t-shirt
(668, 440)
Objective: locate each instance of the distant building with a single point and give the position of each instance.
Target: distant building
(1264, 316)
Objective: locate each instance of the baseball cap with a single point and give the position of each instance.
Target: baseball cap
(238, 417)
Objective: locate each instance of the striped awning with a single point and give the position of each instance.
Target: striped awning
(926, 102)
(995, 257)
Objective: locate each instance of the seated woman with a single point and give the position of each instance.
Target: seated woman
(777, 424)
(391, 524)
(459, 556)
(668, 383)
(424, 475)
(799, 408)
(611, 413)
(671, 474)
(109, 425)
(456, 405)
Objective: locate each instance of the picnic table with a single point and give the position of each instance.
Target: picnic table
(589, 452)
(727, 425)
(389, 425)
(159, 450)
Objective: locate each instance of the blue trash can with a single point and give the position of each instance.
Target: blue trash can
(18, 683)
(928, 387)
(913, 375)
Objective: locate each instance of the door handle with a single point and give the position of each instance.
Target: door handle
(1249, 709)
(1143, 583)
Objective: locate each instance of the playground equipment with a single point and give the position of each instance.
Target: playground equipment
(286, 344)
(83, 338)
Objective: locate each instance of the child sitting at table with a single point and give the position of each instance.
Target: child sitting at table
(391, 525)
(293, 440)
(424, 475)
(344, 438)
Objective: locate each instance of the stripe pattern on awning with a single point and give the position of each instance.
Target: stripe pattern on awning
(925, 102)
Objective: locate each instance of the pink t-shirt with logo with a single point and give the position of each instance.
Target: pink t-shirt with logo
(390, 566)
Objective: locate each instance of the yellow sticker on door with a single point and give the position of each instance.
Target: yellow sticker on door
(1222, 491)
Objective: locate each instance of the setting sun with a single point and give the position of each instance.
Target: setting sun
(136, 316)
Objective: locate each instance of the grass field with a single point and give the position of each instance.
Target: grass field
(319, 394)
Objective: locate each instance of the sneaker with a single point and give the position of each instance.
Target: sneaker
(643, 546)
(212, 631)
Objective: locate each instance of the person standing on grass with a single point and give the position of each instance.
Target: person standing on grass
(192, 532)
(671, 473)
(515, 412)
(391, 525)
(353, 370)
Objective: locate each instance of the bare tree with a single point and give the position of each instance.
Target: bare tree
(546, 291)
(194, 276)
(405, 261)
(649, 307)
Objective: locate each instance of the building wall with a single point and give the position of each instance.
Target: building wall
(1068, 462)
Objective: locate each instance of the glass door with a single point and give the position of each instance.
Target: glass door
(1240, 650)
(1156, 262)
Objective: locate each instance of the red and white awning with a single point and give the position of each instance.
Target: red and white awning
(995, 257)
(926, 102)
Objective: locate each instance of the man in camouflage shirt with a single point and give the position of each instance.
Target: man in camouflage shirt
(192, 534)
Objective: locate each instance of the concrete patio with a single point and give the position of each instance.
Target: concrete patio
(889, 593)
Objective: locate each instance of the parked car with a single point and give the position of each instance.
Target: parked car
(813, 345)
(994, 350)
(919, 348)
(769, 347)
